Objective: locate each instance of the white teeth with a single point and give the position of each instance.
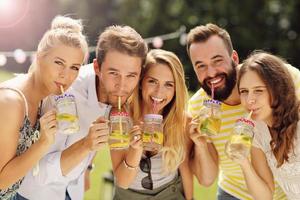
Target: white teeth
(215, 81)
(156, 99)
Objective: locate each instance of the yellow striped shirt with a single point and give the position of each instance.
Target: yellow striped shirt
(231, 178)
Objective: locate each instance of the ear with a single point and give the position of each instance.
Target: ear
(235, 57)
(97, 67)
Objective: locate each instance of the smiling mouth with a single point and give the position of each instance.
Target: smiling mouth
(215, 81)
(156, 100)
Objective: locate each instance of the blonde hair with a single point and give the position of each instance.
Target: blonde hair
(66, 31)
(173, 151)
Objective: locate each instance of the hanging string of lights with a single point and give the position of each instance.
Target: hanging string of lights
(21, 56)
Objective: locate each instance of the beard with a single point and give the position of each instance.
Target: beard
(224, 92)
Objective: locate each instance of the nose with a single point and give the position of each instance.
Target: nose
(159, 90)
(211, 71)
(251, 100)
(121, 84)
(62, 72)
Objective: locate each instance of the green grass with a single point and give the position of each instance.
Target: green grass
(4, 75)
(101, 191)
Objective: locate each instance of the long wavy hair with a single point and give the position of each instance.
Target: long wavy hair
(173, 151)
(284, 103)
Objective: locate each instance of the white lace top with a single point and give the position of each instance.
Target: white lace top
(288, 174)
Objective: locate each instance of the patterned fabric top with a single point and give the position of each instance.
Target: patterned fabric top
(28, 135)
(288, 174)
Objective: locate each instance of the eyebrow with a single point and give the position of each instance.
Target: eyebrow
(60, 59)
(256, 87)
(116, 70)
(157, 79)
(214, 57)
(78, 64)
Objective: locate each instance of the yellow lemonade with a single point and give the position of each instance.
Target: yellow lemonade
(68, 123)
(66, 117)
(211, 125)
(118, 140)
(240, 144)
(153, 141)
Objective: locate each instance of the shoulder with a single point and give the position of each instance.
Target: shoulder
(196, 101)
(12, 108)
(85, 73)
(85, 77)
(11, 100)
(293, 70)
(262, 135)
(200, 95)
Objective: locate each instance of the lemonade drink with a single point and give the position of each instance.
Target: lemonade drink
(66, 114)
(153, 137)
(119, 130)
(241, 139)
(211, 117)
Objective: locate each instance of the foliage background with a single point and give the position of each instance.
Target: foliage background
(271, 25)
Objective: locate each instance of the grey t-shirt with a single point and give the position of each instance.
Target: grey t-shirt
(158, 177)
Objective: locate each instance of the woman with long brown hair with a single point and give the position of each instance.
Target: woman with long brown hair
(266, 88)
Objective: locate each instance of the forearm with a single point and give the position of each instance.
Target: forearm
(72, 156)
(256, 186)
(204, 165)
(187, 179)
(19, 166)
(125, 174)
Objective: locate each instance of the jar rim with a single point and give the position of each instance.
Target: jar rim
(118, 113)
(153, 116)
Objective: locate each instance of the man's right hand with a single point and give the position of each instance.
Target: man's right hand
(98, 134)
(196, 136)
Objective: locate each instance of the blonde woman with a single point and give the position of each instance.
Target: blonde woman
(60, 54)
(164, 174)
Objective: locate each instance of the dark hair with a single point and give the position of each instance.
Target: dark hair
(284, 103)
(123, 39)
(204, 32)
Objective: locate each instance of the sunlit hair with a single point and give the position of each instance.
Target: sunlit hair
(204, 32)
(123, 39)
(173, 151)
(284, 103)
(66, 31)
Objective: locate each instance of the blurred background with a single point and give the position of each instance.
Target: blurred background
(271, 25)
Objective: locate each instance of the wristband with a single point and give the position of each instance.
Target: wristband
(128, 166)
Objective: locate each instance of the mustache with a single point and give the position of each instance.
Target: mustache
(207, 80)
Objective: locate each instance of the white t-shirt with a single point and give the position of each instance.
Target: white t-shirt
(288, 174)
